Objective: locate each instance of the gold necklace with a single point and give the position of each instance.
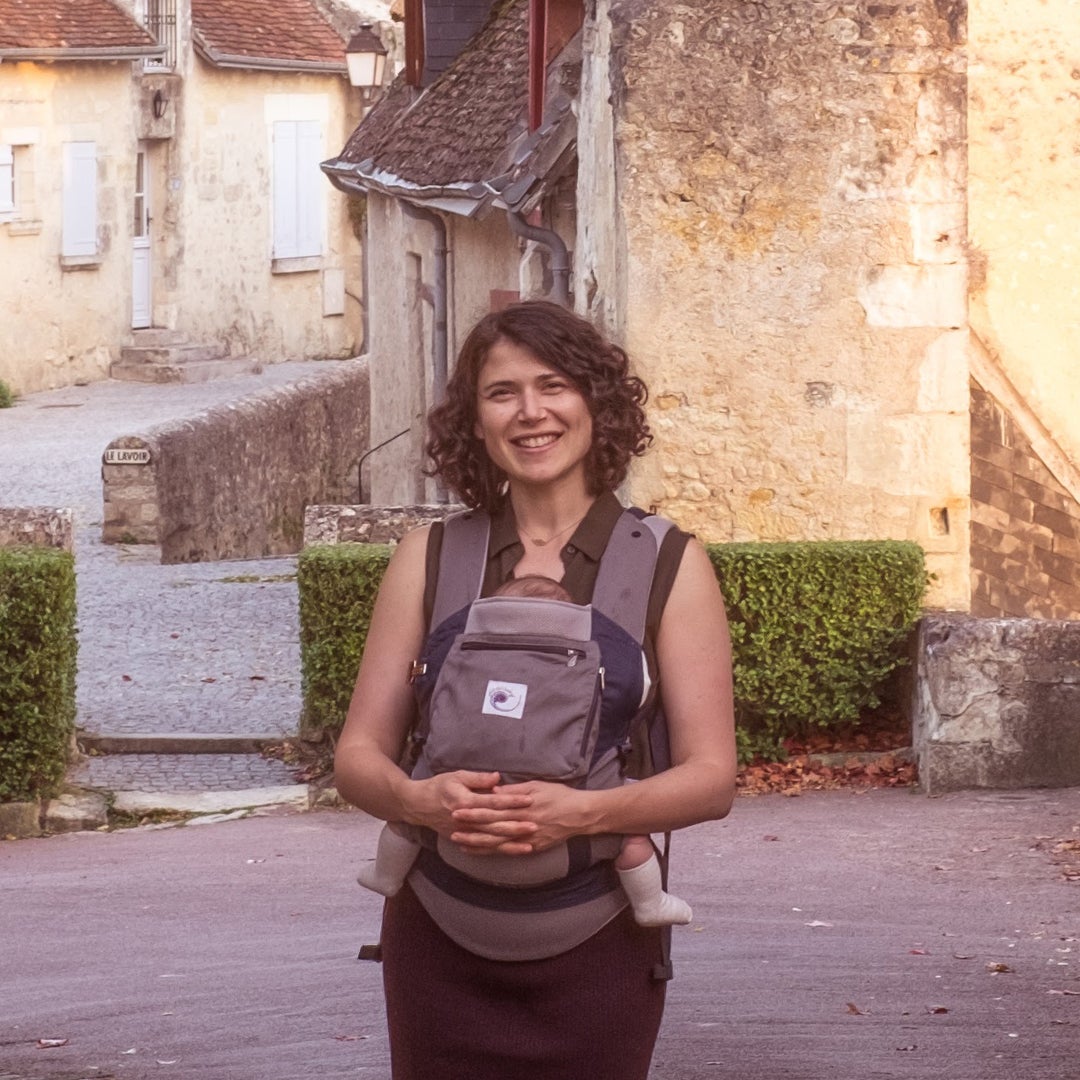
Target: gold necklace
(554, 536)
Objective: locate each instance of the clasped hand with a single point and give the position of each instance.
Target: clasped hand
(483, 817)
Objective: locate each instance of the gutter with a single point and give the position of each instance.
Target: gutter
(451, 198)
(560, 256)
(440, 338)
(85, 52)
(266, 63)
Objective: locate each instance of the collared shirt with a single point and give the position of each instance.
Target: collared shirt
(580, 554)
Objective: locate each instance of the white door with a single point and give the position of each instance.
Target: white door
(140, 244)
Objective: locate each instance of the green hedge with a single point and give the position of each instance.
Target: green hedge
(37, 670)
(337, 585)
(816, 628)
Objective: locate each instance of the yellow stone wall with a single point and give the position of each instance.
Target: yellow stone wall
(58, 326)
(1024, 204)
(210, 160)
(786, 264)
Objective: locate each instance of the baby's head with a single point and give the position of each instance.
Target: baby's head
(534, 585)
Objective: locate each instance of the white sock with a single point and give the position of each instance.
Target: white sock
(394, 857)
(652, 906)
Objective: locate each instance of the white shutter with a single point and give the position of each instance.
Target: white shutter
(7, 179)
(79, 234)
(284, 189)
(299, 193)
(310, 188)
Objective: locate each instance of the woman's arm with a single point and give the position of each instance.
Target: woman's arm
(694, 657)
(366, 770)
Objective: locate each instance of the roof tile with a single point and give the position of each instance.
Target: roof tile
(460, 128)
(68, 24)
(292, 30)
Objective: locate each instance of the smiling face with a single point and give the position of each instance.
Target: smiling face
(533, 420)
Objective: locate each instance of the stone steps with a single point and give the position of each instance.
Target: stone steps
(164, 356)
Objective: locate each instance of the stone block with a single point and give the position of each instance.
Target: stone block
(20, 819)
(909, 296)
(73, 812)
(997, 703)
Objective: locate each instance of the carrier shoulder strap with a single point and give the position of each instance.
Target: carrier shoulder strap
(461, 558)
(625, 578)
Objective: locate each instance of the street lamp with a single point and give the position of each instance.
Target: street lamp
(366, 57)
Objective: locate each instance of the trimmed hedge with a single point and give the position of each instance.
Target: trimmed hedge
(38, 652)
(816, 628)
(337, 585)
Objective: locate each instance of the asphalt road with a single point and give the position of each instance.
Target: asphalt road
(837, 936)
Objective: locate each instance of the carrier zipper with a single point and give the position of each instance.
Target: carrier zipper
(572, 655)
(598, 689)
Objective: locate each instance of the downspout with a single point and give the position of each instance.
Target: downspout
(560, 257)
(440, 333)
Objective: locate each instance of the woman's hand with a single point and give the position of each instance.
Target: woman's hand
(434, 802)
(549, 814)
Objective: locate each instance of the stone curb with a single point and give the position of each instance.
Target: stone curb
(297, 796)
(89, 743)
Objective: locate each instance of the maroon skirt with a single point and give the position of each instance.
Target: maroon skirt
(592, 1011)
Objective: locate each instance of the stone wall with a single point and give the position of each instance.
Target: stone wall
(368, 524)
(232, 482)
(997, 703)
(783, 255)
(37, 526)
(1025, 526)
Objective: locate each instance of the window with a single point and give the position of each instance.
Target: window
(79, 228)
(160, 21)
(299, 189)
(7, 179)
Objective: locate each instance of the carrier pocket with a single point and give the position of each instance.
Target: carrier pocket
(526, 707)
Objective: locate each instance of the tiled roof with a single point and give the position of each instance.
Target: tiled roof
(35, 26)
(288, 32)
(460, 127)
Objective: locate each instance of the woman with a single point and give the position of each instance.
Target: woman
(540, 423)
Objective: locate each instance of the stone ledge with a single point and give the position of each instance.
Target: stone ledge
(37, 526)
(365, 524)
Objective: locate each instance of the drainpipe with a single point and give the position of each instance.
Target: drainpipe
(440, 335)
(560, 257)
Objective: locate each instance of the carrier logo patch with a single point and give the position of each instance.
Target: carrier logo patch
(505, 699)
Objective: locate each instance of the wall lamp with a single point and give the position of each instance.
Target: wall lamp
(159, 104)
(365, 56)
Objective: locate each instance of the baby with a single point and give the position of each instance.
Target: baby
(637, 865)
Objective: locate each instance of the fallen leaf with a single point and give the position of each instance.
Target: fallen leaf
(1065, 993)
(257, 678)
(997, 968)
(918, 952)
(937, 1010)
(854, 1009)
(46, 1044)
(126, 678)
(770, 837)
(209, 678)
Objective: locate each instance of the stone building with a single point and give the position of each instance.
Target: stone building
(835, 237)
(159, 186)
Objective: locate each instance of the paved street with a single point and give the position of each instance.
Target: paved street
(196, 648)
(837, 936)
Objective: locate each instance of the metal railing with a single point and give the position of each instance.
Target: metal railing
(160, 20)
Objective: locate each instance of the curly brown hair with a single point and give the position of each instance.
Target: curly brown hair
(598, 369)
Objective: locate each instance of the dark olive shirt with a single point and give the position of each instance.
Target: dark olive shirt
(580, 554)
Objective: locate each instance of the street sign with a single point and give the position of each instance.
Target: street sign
(122, 456)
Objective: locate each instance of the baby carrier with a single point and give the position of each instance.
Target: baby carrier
(541, 689)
